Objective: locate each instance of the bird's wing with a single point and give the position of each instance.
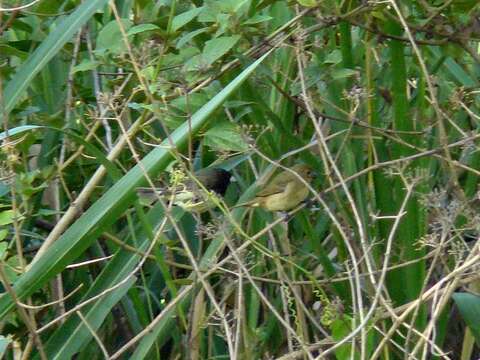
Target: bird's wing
(207, 179)
(161, 191)
(150, 190)
(277, 185)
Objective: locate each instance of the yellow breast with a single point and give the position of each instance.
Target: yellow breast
(291, 197)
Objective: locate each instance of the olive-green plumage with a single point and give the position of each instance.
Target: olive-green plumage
(285, 191)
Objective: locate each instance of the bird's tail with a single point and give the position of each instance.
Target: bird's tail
(154, 192)
(148, 196)
(251, 203)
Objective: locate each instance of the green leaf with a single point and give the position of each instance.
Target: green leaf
(342, 327)
(12, 267)
(4, 342)
(184, 18)
(110, 38)
(335, 57)
(3, 244)
(225, 136)
(343, 73)
(469, 306)
(85, 65)
(62, 32)
(237, 103)
(256, 19)
(4, 189)
(142, 28)
(18, 24)
(183, 281)
(6, 217)
(184, 106)
(139, 106)
(216, 48)
(49, 7)
(187, 37)
(18, 130)
(308, 3)
(48, 212)
(7, 50)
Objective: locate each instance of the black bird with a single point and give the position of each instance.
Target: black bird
(190, 196)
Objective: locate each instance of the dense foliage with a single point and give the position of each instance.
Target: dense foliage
(99, 98)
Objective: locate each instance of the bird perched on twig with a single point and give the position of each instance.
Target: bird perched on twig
(285, 191)
(190, 195)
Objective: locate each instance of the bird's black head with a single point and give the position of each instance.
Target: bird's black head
(215, 179)
(222, 180)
